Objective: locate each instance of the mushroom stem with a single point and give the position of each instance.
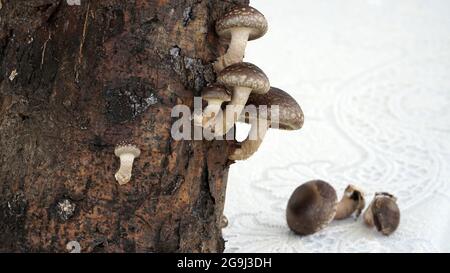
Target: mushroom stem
(236, 49)
(352, 202)
(233, 110)
(344, 209)
(251, 144)
(123, 175)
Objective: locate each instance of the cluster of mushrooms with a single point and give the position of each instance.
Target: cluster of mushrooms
(313, 205)
(240, 84)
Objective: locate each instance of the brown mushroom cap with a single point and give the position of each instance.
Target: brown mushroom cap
(311, 207)
(242, 17)
(386, 214)
(290, 114)
(244, 75)
(126, 148)
(216, 92)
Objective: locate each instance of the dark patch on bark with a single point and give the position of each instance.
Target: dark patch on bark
(12, 221)
(128, 99)
(17, 205)
(116, 22)
(97, 144)
(206, 202)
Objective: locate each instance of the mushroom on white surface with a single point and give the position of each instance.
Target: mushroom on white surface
(288, 117)
(127, 152)
(383, 213)
(243, 79)
(352, 202)
(215, 95)
(239, 25)
(313, 205)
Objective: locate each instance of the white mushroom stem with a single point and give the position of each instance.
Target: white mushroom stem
(236, 49)
(233, 110)
(251, 144)
(123, 175)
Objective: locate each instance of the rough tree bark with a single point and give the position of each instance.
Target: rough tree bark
(76, 80)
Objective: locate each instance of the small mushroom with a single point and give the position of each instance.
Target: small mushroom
(352, 202)
(215, 95)
(73, 247)
(288, 117)
(223, 221)
(313, 205)
(239, 25)
(127, 152)
(243, 79)
(383, 213)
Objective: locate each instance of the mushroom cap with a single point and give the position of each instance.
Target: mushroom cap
(289, 116)
(216, 92)
(126, 148)
(244, 75)
(385, 194)
(242, 17)
(311, 207)
(386, 214)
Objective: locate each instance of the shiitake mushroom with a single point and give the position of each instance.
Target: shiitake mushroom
(313, 205)
(383, 213)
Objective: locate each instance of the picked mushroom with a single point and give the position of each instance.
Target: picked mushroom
(127, 152)
(352, 202)
(243, 79)
(312, 206)
(383, 213)
(288, 117)
(215, 95)
(239, 25)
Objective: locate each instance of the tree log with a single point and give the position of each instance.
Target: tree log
(78, 77)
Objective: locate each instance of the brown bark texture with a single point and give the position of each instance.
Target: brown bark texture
(75, 80)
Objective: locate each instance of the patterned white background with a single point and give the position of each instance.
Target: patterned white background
(373, 78)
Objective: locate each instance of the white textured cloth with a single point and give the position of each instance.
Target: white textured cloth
(373, 78)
